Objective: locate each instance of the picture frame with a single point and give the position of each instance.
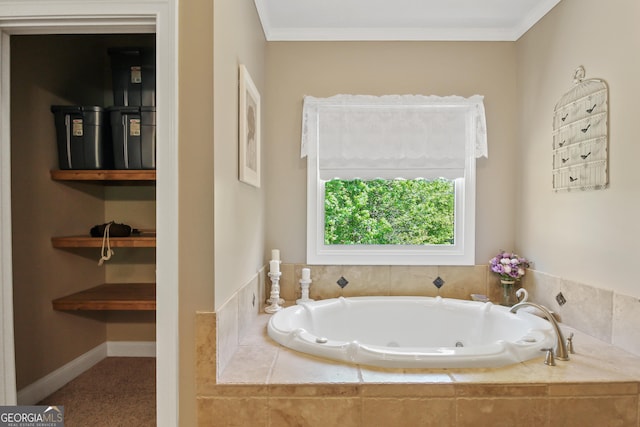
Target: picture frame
(249, 130)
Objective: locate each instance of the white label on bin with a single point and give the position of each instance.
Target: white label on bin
(77, 127)
(136, 75)
(134, 127)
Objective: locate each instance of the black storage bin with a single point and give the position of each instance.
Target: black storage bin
(133, 76)
(134, 137)
(83, 137)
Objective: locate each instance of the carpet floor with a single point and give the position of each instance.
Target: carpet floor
(117, 391)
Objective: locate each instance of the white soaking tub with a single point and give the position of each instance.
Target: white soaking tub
(412, 332)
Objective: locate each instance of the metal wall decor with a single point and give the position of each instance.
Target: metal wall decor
(581, 136)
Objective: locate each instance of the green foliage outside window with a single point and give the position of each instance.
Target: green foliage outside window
(389, 212)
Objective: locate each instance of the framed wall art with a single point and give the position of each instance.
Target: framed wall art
(249, 130)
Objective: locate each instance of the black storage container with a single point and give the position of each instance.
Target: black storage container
(134, 137)
(83, 137)
(133, 76)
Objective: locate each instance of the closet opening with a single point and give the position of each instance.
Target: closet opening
(66, 305)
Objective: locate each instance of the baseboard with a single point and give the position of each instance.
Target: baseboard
(131, 348)
(35, 392)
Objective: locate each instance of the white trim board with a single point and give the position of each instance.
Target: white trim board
(321, 25)
(35, 392)
(97, 16)
(7, 356)
(131, 349)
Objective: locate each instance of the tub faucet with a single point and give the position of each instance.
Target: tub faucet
(560, 348)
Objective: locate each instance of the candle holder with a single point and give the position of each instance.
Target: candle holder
(274, 301)
(304, 287)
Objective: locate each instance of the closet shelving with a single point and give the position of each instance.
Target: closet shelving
(107, 177)
(108, 296)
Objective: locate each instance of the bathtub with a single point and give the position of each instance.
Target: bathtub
(412, 332)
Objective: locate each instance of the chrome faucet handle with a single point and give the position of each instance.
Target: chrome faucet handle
(570, 344)
(549, 359)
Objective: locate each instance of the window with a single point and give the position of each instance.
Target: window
(391, 180)
(389, 212)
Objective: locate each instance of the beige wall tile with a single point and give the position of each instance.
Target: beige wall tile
(583, 367)
(248, 305)
(309, 412)
(374, 375)
(365, 280)
(588, 309)
(413, 280)
(516, 373)
(599, 389)
(232, 412)
(594, 411)
(542, 288)
(262, 289)
(256, 333)
(315, 390)
(324, 281)
(297, 368)
(462, 281)
(408, 412)
(508, 412)
(227, 332)
(626, 318)
(501, 390)
(205, 350)
(408, 390)
(238, 390)
(250, 364)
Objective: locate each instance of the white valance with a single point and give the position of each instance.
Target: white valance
(392, 136)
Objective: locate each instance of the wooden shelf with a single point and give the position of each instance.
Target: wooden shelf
(110, 177)
(111, 296)
(143, 240)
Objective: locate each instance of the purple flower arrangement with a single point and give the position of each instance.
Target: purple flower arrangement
(508, 266)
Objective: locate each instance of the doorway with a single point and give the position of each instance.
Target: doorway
(79, 17)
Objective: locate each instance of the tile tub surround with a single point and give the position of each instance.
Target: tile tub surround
(241, 309)
(459, 281)
(265, 384)
(601, 313)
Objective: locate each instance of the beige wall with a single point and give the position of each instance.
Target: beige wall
(239, 208)
(212, 200)
(195, 85)
(296, 69)
(589, 237)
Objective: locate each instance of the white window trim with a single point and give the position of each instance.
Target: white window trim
(461, 253)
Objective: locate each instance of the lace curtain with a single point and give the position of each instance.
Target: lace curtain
(392, 136)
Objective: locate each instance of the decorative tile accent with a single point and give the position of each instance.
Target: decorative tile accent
(438, 283)
(561, 299)
(342, 282)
